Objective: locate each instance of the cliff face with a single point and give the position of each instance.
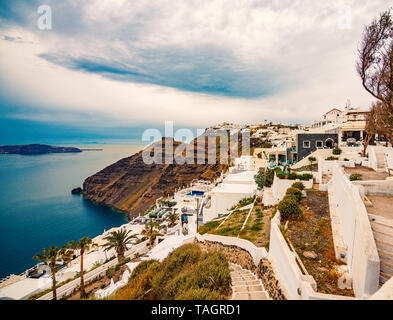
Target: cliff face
(132, 186)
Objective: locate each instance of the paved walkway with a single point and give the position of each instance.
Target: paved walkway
(245, 285)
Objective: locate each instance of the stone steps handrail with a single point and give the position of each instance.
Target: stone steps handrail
(248, 215)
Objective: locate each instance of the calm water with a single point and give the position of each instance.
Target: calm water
(37, 209)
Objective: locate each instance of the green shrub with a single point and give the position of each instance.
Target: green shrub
(109, 272)
(208, 227)
(306, 177)
(289, 208)
(256, 227)
(143, 266)
(356, 177)
(264, 178)
(298, 185)
(296, 192)
(168, 203)
(246, 201)
(331, 158)
(280, 175)
(189, 273)
(337, 151)
(292, 176)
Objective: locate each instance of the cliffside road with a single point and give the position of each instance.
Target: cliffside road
(69, 287)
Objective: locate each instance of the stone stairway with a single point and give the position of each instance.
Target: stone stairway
(245, 285)
(380, 154)
(383, 235)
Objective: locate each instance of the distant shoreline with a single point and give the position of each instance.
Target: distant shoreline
(36, 149)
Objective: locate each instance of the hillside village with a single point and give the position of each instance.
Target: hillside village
(306, 215)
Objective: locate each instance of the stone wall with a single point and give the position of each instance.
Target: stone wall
(242, 257)
(234, 254)
(272, 286)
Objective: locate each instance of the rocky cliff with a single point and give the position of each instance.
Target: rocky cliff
(132, 186)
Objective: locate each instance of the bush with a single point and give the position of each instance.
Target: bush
(289, 208)
(331, 158)
(292, 176)
(312, 159)
(208, 227)
(190, 273)
(356, 177)
(296, 192)
(264, 178)
(337, 151)
(298, 185)
(168, 203)
(143, 266)
(306, 177)
(246, 201)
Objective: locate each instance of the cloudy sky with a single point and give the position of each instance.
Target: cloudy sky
(106, 66)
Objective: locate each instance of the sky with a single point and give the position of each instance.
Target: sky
(111, 68)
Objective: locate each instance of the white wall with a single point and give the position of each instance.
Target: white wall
(256, 253)
(276, 193)
(389, 157)
(372, 158)
(296, 285)
(362, 255)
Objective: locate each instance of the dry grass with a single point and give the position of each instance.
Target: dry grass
(232, 225)
(314, 233)
(257, 229)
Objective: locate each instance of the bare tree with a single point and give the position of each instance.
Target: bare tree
(375, 63)
(371, 127)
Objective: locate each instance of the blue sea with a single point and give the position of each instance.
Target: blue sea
(37, 209)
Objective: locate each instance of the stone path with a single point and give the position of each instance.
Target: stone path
(245, 285)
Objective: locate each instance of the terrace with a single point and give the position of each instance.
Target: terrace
(367, 173)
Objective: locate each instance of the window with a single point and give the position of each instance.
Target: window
(319, 144)
(306, 144)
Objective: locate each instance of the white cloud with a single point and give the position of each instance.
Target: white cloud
(299, 43)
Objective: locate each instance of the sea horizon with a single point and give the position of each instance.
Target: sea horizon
(37, 208)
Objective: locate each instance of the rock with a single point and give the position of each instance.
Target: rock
(345, 281)
(310, 255)
(132, 186)
(77, 190)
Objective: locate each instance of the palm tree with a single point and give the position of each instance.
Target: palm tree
(312, 160)
(151, 230)
(67, 251)
(118, 240)
(83, 245)
(49, 257)
(172, 218)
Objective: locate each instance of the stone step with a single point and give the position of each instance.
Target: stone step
(382, 245)
(379, 226)
(247, 288)
(383, 278)
(387, 268)
(245, 283)
(385, 256)
(383, 237)
(250, 296)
